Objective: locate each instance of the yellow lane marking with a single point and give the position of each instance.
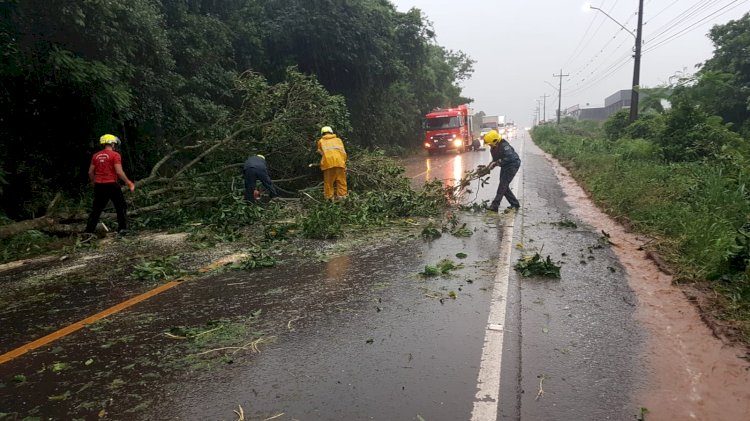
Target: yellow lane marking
(8, 356)
(85, 322)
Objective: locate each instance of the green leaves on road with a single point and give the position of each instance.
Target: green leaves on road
(535, 265)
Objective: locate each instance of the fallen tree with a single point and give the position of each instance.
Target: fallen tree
(280, 121)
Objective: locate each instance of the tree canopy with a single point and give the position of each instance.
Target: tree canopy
(163, 73)
(722, 85)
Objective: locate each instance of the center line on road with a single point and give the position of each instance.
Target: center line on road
(487, 398)
(74, 327)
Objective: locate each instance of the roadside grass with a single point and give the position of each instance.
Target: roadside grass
(697, 214)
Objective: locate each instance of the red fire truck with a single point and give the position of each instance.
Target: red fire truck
(448, 129)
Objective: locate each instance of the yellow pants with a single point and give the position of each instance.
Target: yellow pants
(334, 182)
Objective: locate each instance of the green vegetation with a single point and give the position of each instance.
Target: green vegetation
(431, 232)
(535, 265)
(170, 74)
(443, 267)
(680, 174)
(159, 269)
(29, 243)
(256, 259)
(216, 341)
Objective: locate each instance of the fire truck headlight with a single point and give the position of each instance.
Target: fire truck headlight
(458, 142)
(427, 145)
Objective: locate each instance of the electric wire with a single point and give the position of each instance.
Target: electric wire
(596, 31)
(682, 17)
(614, 67)
(594, 73)
(660, 12)
(662, 31)
(575, 50)
(694, 25)
(578, 71)
(575, 73)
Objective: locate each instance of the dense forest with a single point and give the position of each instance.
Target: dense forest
(187, 78)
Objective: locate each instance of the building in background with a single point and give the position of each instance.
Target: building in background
(589, 113)
(612, 104)
(617, 101)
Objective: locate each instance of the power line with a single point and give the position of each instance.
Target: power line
(691, 27)
(593, 74)
(593, 59)
(575, 50)
(596, 31)
(661, 11)
(682, 17)
(614, 67)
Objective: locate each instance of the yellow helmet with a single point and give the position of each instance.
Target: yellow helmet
(492, 138)
(326, 129)
(108, 138)
(261, 157)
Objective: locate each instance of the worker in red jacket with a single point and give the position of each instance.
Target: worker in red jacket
(333, 164)
(105, 169)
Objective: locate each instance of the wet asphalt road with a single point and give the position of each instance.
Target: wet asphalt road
(363, 336)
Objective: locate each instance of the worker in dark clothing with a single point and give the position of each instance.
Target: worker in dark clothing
(255, 169)
(504, 156)
(104, 171)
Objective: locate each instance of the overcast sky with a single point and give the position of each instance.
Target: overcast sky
(518, 45)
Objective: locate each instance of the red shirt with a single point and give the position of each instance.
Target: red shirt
(104, 166)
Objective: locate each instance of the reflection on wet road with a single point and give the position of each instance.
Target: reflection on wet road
(447, 167)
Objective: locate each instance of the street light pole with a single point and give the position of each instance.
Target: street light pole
(637, 56)
(613, 19)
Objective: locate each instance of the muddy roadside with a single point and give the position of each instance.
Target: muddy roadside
(693, 372)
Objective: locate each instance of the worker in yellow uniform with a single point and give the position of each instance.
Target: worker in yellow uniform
(332, 163)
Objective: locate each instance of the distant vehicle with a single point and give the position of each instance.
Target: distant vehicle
(448, 129)
(491, 122)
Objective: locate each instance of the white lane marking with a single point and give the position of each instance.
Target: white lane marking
(487, 399)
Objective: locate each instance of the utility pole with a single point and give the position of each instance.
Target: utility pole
(539, 110)
(559, 94)
(636, 65)
(544, 97)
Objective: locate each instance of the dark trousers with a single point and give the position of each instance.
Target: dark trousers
(503, 189)
(252, 175)
(103, 193)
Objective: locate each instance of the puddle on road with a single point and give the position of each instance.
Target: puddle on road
(693, 375)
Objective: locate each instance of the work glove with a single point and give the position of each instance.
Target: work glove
(131, 186)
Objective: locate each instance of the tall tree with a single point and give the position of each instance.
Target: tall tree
(723, 82)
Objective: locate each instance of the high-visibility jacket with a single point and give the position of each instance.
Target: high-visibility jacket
(331, 149)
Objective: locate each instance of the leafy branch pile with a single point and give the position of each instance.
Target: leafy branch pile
(443, 267)
(535, 265)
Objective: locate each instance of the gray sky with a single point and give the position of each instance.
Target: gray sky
(518, 46)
